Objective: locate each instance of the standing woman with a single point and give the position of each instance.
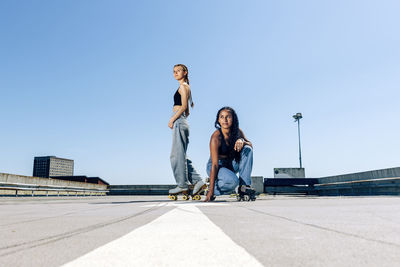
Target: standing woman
(230, 153)
(181, 165)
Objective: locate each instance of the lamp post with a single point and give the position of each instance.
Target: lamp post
(297, 118)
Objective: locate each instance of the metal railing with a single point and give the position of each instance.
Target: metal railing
(376, 186)
(51, 188)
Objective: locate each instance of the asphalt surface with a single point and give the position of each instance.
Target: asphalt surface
(155, 231)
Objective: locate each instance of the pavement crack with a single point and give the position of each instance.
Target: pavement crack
(324, 228)
(54, 238)
(47, 218)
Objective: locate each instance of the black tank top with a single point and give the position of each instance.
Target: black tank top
(177, 99)
(223, 150)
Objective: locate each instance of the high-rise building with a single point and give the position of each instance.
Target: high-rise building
(51, 166)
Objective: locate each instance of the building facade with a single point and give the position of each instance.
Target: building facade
(51, 166)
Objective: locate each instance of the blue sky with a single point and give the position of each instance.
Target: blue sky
(92, 81)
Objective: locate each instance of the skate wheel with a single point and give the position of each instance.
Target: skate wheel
(197, 197)
(185, 197)
(246, 198)
(172, 197)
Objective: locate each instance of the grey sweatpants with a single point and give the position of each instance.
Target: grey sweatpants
(182, 167)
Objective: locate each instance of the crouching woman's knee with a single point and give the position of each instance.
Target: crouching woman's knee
(246, 151)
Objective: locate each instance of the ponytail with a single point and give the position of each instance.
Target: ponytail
(191, 100)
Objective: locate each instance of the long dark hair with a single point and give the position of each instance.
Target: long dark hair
(184, 68)
(234, 132)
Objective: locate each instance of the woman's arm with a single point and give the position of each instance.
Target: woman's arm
(214, 144)
(246, 141)
(184, 92)
(241, 142)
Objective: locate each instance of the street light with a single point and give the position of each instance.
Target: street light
(297, 118)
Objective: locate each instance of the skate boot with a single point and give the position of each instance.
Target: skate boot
(198, 189)
(207, 182)
(174, 192)
(246, 193)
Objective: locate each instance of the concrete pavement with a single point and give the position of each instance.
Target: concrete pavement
(152, 231)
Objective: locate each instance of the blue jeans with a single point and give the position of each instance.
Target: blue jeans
(227, 180)
(182, 167)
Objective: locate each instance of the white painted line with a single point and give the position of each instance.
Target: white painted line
(181, 237)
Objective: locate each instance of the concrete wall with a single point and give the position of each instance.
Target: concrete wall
(376, 182)
(289, 173)
(140, 189)
(257, 182)
(20, 179)
(375, 174)
(383, 186)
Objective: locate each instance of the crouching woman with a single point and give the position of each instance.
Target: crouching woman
(230, 153)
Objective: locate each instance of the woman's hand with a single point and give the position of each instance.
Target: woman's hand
(214, 145)
(209, 197)
(239, 144)
(171, 124)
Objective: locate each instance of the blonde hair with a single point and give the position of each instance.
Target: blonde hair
(184, 68)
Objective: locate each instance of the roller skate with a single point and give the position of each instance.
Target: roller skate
(207, 184)
(246, 193)
(173, 193)
(198, 189)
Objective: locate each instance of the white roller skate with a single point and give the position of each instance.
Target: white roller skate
(198, 189)
(174, 192)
